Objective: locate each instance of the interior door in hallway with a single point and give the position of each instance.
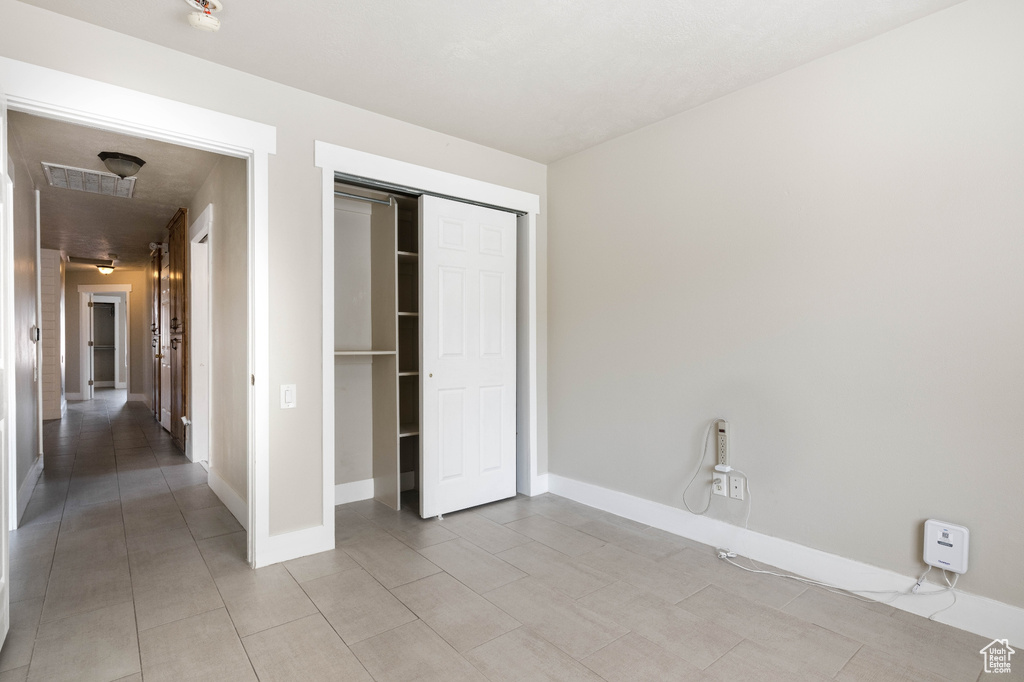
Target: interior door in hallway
(468, 346)
(154, 274)
(178, 275)
(164, 343)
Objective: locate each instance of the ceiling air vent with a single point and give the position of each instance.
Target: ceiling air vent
(94, 182)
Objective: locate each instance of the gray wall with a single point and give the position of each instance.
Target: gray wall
(226, 189)
(832, 260)
(26, 388)
(35, 35)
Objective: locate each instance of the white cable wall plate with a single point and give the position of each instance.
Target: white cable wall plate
(946, 545)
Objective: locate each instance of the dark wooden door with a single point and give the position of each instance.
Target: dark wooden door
(177, 243)
(154, 281)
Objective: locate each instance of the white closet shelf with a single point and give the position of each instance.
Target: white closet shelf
(408, 374)
(407, 255)
(408, 430)
(408, 314)
(365, 352)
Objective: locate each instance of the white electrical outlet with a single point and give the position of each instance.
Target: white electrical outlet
(736, 483)
(719, 484)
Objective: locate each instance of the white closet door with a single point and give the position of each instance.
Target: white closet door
(468, 350)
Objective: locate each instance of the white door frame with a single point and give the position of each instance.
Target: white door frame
(200, 339)
(85, 292)
(57, 95)
(332, 159)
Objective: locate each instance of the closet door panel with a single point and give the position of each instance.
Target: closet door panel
(468, 362)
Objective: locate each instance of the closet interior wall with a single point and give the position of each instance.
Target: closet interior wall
(376, 342)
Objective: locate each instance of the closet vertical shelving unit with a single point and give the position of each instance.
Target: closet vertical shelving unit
(408, 283)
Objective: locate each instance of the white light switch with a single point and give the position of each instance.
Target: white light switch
(287, 396)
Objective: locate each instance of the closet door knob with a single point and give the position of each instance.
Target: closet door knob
(430, 376)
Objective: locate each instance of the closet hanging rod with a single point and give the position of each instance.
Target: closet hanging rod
(370, 183)
(359, 198)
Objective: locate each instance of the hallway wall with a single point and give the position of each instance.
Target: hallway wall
(226, 188)
(26, 389)
(52, 277)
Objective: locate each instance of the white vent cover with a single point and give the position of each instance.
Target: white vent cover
(94, 182)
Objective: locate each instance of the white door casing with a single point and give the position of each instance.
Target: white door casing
(6, 385)
(333, 159)
(468, 355)
(86, 293)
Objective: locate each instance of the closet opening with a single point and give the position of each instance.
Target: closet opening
(376, 342)
(425, 362)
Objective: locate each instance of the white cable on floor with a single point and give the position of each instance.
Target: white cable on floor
(728, 556)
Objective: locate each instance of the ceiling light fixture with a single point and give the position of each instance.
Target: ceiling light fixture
(105, 269)
(202, 19)
(121, 165)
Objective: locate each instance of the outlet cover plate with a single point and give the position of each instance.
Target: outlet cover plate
(736, 487)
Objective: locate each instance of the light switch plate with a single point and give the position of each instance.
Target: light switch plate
(287, 396)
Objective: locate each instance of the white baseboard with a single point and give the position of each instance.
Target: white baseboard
(363, 490)
(235, 504)
(73, 396)
(980, 615)
(139, 398)
(103, 384)
(353, 492)
(28, 485)
(287, 546)
(120, 384)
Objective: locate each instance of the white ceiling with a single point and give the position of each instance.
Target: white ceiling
(90, 225)
(539, 78)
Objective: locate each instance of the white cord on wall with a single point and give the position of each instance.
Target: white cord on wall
(700, 464)
(728, 556)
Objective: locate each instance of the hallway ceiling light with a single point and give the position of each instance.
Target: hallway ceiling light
(83, 180)
(202, 19)
(105, 269)
(121, 165)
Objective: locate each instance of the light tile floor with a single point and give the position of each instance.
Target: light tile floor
(128, 567)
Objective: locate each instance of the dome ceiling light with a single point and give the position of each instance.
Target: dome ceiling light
(121, 165)
(202, 19)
